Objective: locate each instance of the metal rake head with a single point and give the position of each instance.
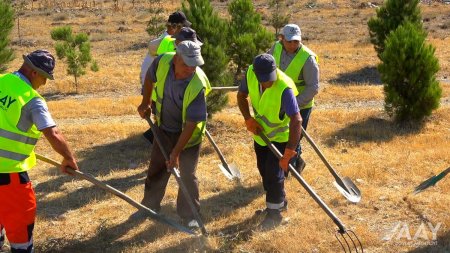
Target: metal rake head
(349, 241)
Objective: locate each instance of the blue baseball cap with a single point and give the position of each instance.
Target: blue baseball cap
(265, 68)
(42, 61)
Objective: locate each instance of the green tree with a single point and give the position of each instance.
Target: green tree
(280, 17)
(155, 25)
(212, 29)
(390, 15)
(75, 48)
(408, 71)
(6, 26)
(247, 37)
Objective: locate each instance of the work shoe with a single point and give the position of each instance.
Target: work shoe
(4, 249)
(264, 211)
(273, 219)
(148, 135)
(141, 214)
(192, 224)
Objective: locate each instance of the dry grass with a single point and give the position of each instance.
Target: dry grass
(348, 124)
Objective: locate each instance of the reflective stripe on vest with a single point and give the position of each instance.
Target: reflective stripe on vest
(267, 105)
(16, 145)
(295, 67)
(197, 84)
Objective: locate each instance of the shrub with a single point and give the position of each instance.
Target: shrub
(408, 71)
(6, 26)
(389, 16)
(75, 48)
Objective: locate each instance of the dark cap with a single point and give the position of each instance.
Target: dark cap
(265, 68)
(178, 17)
(187, 33)
(41, 61)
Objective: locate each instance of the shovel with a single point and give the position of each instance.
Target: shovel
(152, 214)
(431, 181)
(229, 170)
(176, 174)
(344, 185)
(346, 237)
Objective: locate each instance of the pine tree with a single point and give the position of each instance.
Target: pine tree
(408, 71)
(212, 30)
(247, 37)
(389, 16)
(6, 26)
(154, 25)
(75, 48)
(280, 17)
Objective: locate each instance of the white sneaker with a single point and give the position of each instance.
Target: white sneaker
(193, 224)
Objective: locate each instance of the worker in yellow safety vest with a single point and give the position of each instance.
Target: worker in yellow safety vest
(302, 66)
(24, 117)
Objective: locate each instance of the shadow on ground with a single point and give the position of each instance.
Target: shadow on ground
(98, 160)
(366, 75)
(110, 239)
(441, 245)
(372, 130)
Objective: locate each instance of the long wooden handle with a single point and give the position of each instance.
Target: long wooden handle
(118, 193)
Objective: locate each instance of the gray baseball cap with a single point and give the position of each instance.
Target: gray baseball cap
(191, 53)
(187, 33)
(291, 32)
(265, 68)
(41, 61)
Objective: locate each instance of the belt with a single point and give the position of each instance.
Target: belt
(5, 178)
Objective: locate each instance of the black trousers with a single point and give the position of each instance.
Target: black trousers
(271, 173)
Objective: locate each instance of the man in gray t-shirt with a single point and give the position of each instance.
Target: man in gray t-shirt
(301, 65)
(180, 109)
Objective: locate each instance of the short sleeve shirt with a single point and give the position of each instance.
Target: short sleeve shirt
(34, 112)
(172, 105)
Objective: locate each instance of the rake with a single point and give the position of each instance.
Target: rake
(176, 174)
(152, 214)
(348, 240)
(231, 171)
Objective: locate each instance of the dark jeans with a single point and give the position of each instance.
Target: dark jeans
(158, 176)
(271, 173)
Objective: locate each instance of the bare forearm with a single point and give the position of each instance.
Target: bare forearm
(185, 136)
(58, 143)
(243, 105)
(294, 131)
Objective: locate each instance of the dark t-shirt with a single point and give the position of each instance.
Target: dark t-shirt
(172, 105)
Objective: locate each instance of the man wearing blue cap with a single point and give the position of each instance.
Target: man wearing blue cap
(25, 117)
(301, 65)
(276, 114)
(180, 86)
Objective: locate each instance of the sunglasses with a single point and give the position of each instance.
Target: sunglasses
(174, 25)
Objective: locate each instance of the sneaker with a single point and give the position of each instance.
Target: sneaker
(191, 224)
(4, 249)
(273, 219)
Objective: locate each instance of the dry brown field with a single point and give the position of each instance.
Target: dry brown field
(348, 123)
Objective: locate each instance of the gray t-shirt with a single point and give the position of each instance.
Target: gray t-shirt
(172, 104)
(309, 73)
(34, 112)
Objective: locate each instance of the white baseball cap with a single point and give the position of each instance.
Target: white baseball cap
(291, 32)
